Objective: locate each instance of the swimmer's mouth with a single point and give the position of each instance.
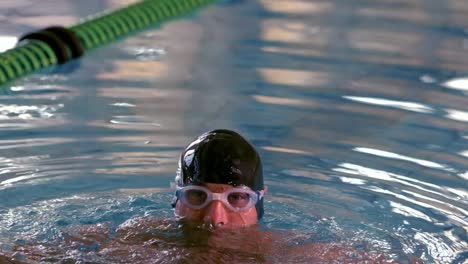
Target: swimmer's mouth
(213, 226)
(207, 225)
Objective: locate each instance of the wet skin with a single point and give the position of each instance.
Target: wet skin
(216, 213)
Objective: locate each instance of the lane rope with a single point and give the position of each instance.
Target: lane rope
(57, 44)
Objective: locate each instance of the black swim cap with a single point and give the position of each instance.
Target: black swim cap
(221, 156)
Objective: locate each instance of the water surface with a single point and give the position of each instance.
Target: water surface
(359, 110)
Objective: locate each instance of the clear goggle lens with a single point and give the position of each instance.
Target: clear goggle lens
(237, 199)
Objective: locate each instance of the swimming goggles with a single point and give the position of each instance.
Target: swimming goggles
(237, 199)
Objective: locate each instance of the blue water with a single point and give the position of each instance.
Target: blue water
(358, 108)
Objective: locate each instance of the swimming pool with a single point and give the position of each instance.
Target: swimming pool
(359, 110)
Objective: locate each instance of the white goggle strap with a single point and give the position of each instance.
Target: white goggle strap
(260, 194)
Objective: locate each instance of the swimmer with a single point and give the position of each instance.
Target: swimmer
(219, 181)
(219, 184)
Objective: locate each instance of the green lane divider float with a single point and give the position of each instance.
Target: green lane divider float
(57, 45)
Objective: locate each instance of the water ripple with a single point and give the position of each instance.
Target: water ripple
(146, 53)
(457, 84)
(13, 111)
(387, 154)
(134, 121)
(410, 106)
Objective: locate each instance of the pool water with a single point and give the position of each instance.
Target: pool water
(358, 108)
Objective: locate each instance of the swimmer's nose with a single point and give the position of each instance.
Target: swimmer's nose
(216, 214)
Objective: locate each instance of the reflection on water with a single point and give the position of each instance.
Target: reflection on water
(458, 84)
(359, 110)
(7, 42)
(391, 155)
(410, 106)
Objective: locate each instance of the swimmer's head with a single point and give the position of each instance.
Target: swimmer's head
(222, 157)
